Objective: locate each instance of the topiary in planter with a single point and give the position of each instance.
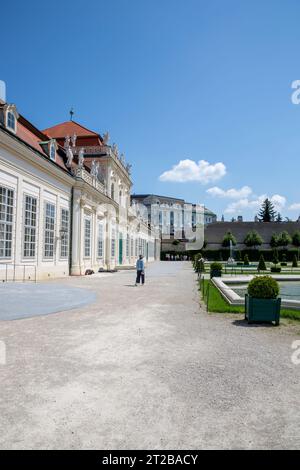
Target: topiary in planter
(263, 287)
(262, 303)
(216, 269)
(261, 265)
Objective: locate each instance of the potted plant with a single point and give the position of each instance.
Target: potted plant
(262, 303)
(215, 270)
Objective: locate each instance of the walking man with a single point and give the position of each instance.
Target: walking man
(140, 271)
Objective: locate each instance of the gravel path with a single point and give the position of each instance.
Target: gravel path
(145, 367)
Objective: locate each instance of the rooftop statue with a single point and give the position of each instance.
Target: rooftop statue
(73, 138)
(69, 157)
(81, 158)
(115, 150)
(106, 138)
(67, 142)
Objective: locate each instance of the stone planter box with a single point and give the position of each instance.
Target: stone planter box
(262, 310)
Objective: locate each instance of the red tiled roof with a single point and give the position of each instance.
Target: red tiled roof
(33, 137)
(69, 128)
(29, 137)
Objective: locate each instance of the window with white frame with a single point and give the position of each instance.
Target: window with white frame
(64, 233)
(113, 243)
(140, 246)
(30, 221)
(87, 237)
(100, 240)
(127, 246)
(6, 221)
(11, 121)
(136, 247)
(49, 230)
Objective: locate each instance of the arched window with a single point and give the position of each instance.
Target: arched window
(11, 121)
(112, 191)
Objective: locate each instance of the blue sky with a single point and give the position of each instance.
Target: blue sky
(171, 81)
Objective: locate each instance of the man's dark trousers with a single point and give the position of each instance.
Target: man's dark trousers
(139, 275)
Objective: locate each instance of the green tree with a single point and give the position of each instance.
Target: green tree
(253, 239)
(261, 265)
(284, 239)
(278, 218)
(296, 238)
(274, 240)
(226, 240)
(275, 259)
(267, 212)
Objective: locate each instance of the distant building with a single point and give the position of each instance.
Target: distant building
(171, 213)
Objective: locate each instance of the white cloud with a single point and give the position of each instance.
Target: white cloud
(254, 204)
(189, 170)
(278, 201)
(241, 193)
(295, 206)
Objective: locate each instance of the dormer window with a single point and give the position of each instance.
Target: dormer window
(52, 150)
(11, 118)
(11, 121)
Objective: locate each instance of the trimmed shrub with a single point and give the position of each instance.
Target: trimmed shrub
(263, 287)
(295, 262)
(275, 269)
(216, 266)
(275, 259)
(246, 260)
(261, 265)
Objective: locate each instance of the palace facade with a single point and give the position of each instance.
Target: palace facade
(65, 203)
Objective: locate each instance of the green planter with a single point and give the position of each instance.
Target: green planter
(262, 310)
(215, 273)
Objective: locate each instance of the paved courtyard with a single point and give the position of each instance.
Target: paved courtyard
(145, 367)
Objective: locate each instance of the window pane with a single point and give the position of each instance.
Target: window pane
(49, 230)
(6, 219)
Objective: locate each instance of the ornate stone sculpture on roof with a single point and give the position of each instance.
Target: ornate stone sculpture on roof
(81, 158)
(69, 157)
(106, 138)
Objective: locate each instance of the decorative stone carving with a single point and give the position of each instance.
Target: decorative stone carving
(81, 158)
(73, 139)
(67, 142)
(69, 157)
(128, 168)
(106, 138)
(115, 150)
(93, 168)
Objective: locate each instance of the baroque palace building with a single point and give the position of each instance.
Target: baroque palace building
(65, 202)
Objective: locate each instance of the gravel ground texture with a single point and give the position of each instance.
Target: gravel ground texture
(147, 368)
